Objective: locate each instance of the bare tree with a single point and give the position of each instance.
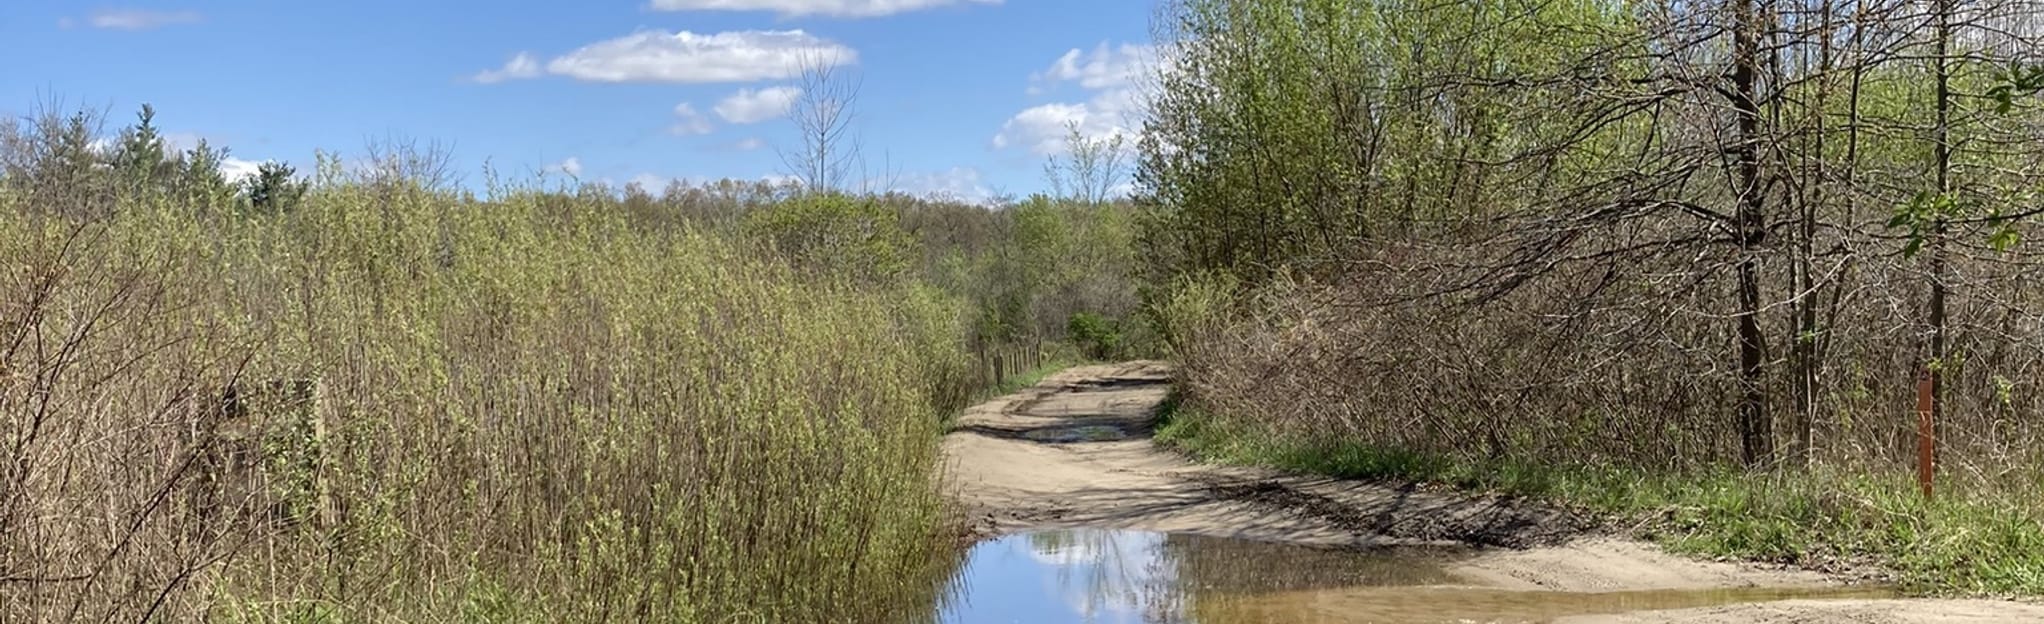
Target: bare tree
(823, 114)
(53, 157)
(1750, 220)
(398, 158)
(1731, 193)
(1090, 169)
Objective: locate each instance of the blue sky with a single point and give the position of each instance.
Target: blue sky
(964, 97)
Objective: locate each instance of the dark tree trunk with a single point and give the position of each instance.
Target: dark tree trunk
(1942, 152)
(1756, 432)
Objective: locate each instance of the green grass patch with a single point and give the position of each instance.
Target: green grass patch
(1964, 542)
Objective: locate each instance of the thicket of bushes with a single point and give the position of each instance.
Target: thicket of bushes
(1025, 268)
(369, 396)
(1571, 247)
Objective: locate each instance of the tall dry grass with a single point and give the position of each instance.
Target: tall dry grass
(395, 404)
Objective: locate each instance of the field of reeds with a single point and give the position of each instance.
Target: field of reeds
(365, 395)
(394, 404)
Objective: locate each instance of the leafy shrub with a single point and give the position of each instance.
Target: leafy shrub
(836, 234)
(1097, 336)
(529, 409)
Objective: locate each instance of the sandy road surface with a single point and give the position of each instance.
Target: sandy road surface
(1074, 451)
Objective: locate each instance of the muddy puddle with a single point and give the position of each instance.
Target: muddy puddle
(1114, 383)
(1110, 577)
(1083, 433)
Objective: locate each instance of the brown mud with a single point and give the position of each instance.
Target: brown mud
(1074, 451)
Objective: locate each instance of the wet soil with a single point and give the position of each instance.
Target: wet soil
(1074, 453)
(1107, 575)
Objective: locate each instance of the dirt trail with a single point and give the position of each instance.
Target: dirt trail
(1075, 451)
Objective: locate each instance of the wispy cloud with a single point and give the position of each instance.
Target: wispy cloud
(802, 8)
(688, 122)
(1105, 67)
(136, 19)
(653, 183)
(962, 184)
(572, 166)
(1110, 74)
(684, 57)
(236, 170)
(1043, 129)
(521, 66)
(750, 106)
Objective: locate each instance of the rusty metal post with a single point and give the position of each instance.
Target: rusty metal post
(1926, 444)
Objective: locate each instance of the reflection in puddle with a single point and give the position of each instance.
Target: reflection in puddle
(1112, 577)
(1083, 433)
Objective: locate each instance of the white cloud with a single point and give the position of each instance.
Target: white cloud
(652, 183)
(136, 19)
(688, 122)
(1043, 129)
(748, 144)
(686, 57)
(749, 106)
(1106, 67)
(1103, 573)
(236, 170)
(1112, 74)
(524, 65)
(572, 166)
(799, 8)
(655, 183)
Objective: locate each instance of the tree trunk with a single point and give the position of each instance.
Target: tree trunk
(1756, 432)
(1942, 152)
(1804, 355)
